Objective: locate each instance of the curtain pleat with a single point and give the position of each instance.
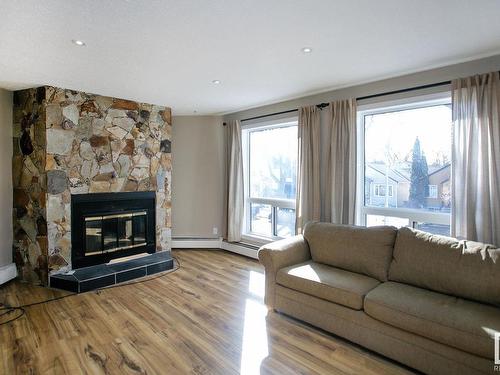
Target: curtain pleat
(340, 186)
(234, 202)
(308, 205)
(334, 162)
(476, 158)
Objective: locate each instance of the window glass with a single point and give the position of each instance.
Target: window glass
(407, 166)
(270, 157)
(285, 222)
(273, 162)
(407, 154)
(261, 219)
(441, 229)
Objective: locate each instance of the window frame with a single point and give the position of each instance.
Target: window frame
(275, 203)
(414, 216)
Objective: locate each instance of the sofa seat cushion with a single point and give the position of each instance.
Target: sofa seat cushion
(463, 324)
(329, 283)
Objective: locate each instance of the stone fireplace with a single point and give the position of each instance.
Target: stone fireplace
(69, 144)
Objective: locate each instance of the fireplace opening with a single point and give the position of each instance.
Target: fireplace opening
(115, 232)
(105, 226)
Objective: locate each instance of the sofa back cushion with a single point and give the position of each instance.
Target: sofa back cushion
(358, 249)
(461, 268)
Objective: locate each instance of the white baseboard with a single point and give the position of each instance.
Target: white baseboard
(240, 249)
(214, 243)
(7, 273)
(196, 243)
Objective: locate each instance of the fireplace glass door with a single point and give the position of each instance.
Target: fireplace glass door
(108, 233)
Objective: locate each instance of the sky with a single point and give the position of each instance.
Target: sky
(398, 131)
(268, 143)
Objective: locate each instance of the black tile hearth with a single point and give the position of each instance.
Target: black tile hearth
(102, 275)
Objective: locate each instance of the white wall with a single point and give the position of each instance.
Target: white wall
(197, 176)
(5, 178)
(485, 65)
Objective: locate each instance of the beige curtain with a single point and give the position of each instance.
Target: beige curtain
(476, 158)
(308, 205)
(340, 180)
(234, 206)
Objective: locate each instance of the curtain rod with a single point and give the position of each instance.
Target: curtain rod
(323, 105)
(422, 87)
(320, 106)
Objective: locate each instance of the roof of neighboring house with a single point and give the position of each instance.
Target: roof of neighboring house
(433, 170)
(399, 173)
(443, 178)
(395, 175)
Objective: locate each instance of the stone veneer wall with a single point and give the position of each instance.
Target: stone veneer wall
(81, 143)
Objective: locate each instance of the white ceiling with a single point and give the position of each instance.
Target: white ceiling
(168, 52)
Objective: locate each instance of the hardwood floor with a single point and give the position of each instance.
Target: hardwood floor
(205, 318)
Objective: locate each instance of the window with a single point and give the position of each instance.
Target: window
(404, 174)
(380, 190)
(270, 173)
(433, 192)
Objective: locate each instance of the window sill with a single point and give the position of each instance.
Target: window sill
(436, 217)
(257, 240)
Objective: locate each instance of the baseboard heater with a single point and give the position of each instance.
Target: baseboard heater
(242, 248)
(196, 243)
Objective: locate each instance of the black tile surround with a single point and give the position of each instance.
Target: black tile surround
(102, 275)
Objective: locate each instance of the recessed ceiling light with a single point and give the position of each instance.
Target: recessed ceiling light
(307, 50)
(79, 43)
(216, 82)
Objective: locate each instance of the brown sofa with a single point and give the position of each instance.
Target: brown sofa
(430, 302)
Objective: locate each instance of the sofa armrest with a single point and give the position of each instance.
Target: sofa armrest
(280, 254)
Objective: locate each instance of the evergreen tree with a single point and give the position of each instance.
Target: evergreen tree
(425, 172)
(419, 178)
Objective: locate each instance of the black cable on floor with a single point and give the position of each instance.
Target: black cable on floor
(11, 309)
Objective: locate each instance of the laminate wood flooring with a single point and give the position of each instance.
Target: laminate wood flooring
(208, 317)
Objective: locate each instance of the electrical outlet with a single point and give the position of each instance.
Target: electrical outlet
(215, 230)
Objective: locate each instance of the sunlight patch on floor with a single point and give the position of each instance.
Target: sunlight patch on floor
(256, 284)
(254, 346)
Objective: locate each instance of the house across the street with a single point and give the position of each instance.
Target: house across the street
(389, 186)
